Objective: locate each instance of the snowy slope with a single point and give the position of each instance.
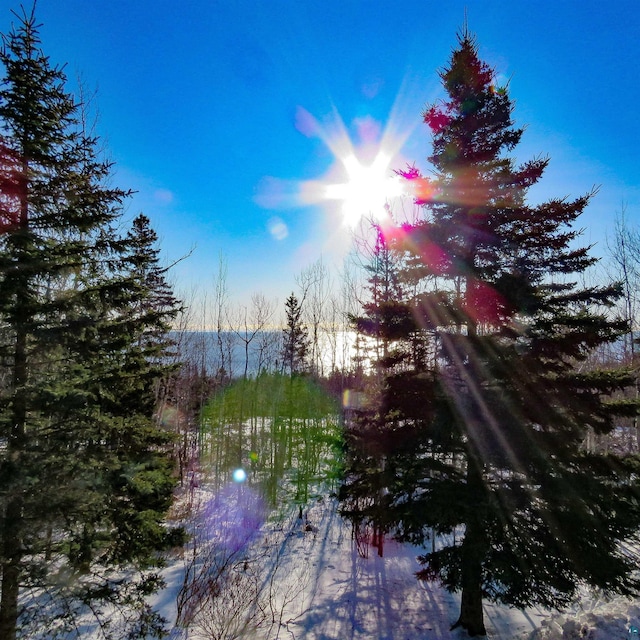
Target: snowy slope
(314, 585)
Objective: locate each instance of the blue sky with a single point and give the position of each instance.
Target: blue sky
(212, 111)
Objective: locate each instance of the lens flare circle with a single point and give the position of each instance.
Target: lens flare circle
(239, 475)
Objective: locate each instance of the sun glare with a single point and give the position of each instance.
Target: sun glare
(367, 188)
(361, 181)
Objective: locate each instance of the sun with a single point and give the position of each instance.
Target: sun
(367, 188)
(361, 179)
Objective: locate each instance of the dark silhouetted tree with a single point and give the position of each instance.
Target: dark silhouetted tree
(482, 427)
(386, 324)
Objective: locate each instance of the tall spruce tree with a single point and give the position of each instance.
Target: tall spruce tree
(483, 430)
(83, 477)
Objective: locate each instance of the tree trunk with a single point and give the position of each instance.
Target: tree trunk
(9, 604)
(13, 522)
(474, 547)
(11, 569)
(471, 615)
(379, 541)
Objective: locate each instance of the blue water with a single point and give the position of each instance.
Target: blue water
(210, 351)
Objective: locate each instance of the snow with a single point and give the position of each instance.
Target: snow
(248, 574)
(303, 578)
(594, 619)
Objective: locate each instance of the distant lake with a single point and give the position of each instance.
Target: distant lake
(236, 351)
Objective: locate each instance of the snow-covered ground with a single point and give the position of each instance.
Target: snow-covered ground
(304, 579)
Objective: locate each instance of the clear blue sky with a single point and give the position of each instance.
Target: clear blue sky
(208, 108)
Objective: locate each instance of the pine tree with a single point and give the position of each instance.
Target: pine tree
(295, 338)
(83, 477)
(386, 324)
(484, 431)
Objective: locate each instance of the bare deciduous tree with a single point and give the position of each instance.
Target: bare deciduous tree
(624, 251)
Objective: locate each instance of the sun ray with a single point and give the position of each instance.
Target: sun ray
(362, 179)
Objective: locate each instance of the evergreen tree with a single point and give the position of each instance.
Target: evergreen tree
(386, 324)
(83, 477)
(483, 428)
(295, 338)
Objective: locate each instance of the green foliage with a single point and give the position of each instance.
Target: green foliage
(284, 430)
(271, 395)
(84, 311)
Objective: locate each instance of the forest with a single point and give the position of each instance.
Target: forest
(467, 386)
